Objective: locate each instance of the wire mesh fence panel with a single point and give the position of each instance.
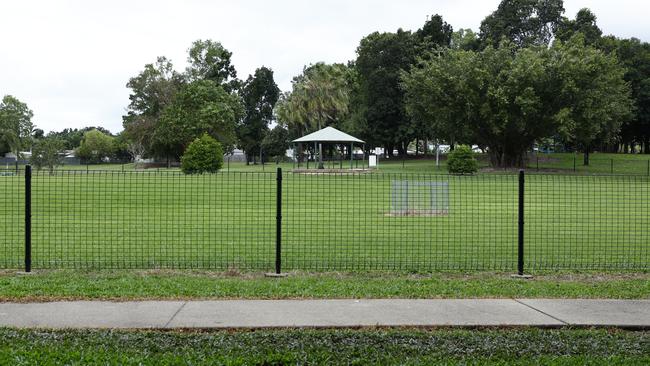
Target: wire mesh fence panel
(399, 222)
(12, 218)
(331, 221)
(112, 219)
(587, 222)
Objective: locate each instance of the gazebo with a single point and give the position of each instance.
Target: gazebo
(329, 135)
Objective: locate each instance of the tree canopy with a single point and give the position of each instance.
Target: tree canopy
(259, 95)
(523, 22)
(15, 125)
(381, 57)
(95, 147)
(319, 98)
(200, 107)
(508, 98)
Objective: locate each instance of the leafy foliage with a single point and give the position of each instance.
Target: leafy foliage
(200, 107)
(15, 125)
(584, 23)
(152, 90)
(462, 161)
(381, 57)
(276, 142)
(634, 56)
(525, 23)
(593, 97)
(319, 98)
(435, 33)
(209, 60)
(259, 95)
(440, 95)
(72, 137)
(507, 98)
(203, 155)
(95, 147)
(46, 153)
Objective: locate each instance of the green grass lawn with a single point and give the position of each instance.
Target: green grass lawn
(117, 219)
(156, 284)
(600, 163)
(347, 347)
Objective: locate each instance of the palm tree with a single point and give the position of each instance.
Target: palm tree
(320, 97)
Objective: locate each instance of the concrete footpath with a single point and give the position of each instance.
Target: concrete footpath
(327, 313)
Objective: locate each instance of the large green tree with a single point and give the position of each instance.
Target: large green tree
(634, 55)
(523, 22)
(593, 96)
(200, 107)
(259, 95)
(15, 125)
(46, 153)
(381, 57)
(500, 95)
(515, 102)
(152, 90)
(95, 147)
(441, 95)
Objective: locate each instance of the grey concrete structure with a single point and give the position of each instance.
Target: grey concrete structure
(326, 313)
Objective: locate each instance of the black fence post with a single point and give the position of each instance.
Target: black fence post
(611, 169)
(28, 218)
(520, 246)
(574, 162)
(278, 223)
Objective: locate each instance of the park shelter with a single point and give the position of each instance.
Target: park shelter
(332, 136)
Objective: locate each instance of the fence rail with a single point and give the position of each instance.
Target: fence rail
(324, 221)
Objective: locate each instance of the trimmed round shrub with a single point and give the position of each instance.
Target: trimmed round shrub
(203, 155)
(462, 161)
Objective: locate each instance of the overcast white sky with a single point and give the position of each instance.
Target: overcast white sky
(70, 60)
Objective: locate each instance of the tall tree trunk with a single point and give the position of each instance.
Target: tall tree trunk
(585, 160)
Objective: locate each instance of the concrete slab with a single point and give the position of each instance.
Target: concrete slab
(356, 313)
(88, 314)
(326, 313)
(616, 313)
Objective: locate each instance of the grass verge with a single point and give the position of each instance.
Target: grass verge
(130, 285)
(280, 347)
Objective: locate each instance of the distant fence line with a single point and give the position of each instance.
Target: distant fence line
(323, 221)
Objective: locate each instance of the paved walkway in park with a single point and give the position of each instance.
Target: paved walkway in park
(327, 313)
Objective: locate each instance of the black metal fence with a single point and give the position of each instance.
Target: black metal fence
(323, 221)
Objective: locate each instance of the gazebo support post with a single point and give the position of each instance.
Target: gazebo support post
(351, 156)
(320, 155)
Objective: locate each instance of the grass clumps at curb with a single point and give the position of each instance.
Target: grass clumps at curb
(280, 347)
(130, 285)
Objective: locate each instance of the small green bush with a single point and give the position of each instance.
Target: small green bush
(462, 161)
(204, 155)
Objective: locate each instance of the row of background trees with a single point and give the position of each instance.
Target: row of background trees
(529, 75)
